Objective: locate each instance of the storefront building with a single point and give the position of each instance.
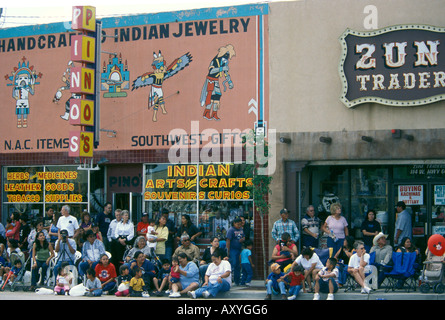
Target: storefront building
(350, 125)
(177, 91)
(361, 120)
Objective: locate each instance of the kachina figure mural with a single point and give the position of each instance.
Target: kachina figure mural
(66, 78)
(23, 80)
(211, 91)
(156, 79)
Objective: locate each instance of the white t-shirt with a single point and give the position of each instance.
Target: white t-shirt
(69, 223)
(307, 264)
(214, 271)
(354, 262)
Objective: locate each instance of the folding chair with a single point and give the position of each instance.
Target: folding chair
(403, 272)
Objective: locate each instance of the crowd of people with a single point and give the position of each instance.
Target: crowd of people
(292, 272)
(113, 256)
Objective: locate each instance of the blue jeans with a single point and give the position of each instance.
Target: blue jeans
(97, 292)
(213, 289)
(270, 287)
(84, 266)
(35, 272)
(247, 273)
(294, 290)
(109, 286)
(234, 259)
(337, 245)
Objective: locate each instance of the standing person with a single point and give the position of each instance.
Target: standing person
(68, 222)
(247, 263)
(162, 235)
(403, 227)
(171, 234)
(103, 220)
(25, 230)
(124, 234)
(234, 242)
(285, 225)
(359, 265)
(53, 230)
(42, 253)
(217, 278)
(111, 228)
(310, 225)
(85, 225)
(336, 227)
(189, 228)
(326, 280)
(106, 273)
(370, 228)
(141, 227)
(48, 218)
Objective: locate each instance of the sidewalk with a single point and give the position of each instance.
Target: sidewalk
(258, 292)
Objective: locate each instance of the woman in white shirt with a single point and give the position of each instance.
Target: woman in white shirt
(311, 263)
(123, 233)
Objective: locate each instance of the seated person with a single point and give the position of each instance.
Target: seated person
(275, 282)
(326, 280)
(383, 256)
(311, 263)
(359, 265)
(191, 250)
(285, 251)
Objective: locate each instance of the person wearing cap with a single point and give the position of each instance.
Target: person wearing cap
(275, 283)
(66, 250)
(285, 225)
(141, 228)
(187, 247)
(383, 255)
(92, 250)
(403, 226)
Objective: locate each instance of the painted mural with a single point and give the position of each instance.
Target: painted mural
(202, 73)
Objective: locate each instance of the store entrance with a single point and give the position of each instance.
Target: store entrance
(130, 201)
(426, 204)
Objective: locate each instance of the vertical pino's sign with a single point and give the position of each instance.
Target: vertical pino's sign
(83, 51)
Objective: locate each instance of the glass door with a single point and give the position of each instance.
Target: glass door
(417, 200)
(437, 209)
(130, 201)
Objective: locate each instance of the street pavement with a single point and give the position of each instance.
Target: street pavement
(255, 292)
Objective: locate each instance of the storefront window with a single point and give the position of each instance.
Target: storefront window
(211, 194)
(369, 191)
(32, 189)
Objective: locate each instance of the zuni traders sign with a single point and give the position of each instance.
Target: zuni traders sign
(398, 66)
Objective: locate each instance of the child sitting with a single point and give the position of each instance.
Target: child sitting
(137, 284)
(93, 284)
(174, 274)
(296, 277)
(63, 281)
(162, 276)
(123, 281)
(275, 282)
(326, 280)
